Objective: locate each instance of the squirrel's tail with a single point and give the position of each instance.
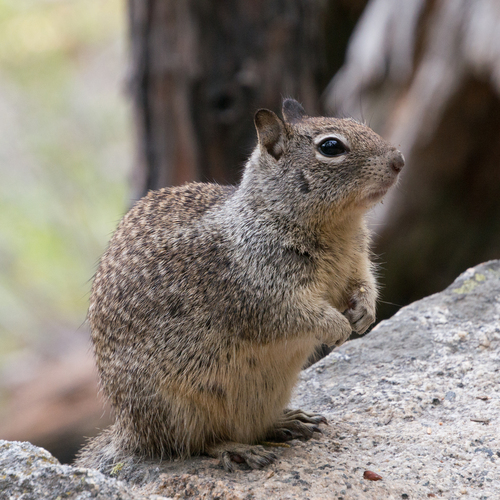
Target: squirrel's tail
(104, 453)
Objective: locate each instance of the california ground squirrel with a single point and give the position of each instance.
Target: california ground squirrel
(210, 299)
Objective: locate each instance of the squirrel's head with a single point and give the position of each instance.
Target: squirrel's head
(332, 162)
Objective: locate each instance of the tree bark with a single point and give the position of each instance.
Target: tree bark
(426, 75)
(200, 69)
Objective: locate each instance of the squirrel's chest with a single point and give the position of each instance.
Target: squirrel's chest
(336, 271)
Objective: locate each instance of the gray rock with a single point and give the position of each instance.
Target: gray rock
(416, 401)
(28, 473)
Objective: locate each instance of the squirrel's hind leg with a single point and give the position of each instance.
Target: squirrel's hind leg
(255, 456)
(295, 424)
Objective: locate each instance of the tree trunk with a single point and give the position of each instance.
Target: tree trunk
(426, 75)
(202, 68)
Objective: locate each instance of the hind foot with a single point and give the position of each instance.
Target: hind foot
(295, 424)
(256, 457)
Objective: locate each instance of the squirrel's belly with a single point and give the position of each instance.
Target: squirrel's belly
(258, 387)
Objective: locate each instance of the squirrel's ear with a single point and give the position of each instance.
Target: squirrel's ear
(270, 131)
(292, 111)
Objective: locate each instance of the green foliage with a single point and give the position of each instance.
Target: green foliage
(64, 156)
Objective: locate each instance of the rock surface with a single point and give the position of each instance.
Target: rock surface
(31, 473)
(416, 401)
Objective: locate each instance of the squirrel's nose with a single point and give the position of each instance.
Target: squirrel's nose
(397, 161)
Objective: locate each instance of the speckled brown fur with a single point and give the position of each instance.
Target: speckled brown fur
(210, 298)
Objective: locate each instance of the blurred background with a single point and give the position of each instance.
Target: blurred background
(102, 101)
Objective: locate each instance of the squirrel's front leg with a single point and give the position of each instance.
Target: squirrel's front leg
(334, 327)
(361, 311)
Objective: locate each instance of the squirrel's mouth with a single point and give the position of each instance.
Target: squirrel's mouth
(376, 194)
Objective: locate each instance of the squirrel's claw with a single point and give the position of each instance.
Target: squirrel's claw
(255, 456)
(360, 318)
(296, 424)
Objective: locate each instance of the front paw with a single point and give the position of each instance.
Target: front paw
(360, 315)
(339, 329)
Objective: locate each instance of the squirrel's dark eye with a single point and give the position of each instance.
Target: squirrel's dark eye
(332, 147)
